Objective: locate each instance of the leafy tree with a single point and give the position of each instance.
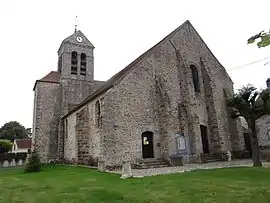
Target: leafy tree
(5, 146)
(265, 39)
(33, 163)
(13, 130)
(251, 104)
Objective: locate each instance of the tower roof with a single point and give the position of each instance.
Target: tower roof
(53, 76)
(77, 38)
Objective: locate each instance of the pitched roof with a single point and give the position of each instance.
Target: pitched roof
(121, 74)
(72, 40)
(52, 77)
(23, 143)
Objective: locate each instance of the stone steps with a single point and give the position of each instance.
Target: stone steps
(151, 163)
(208, 158)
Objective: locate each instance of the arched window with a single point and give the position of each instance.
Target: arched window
(74, 63)
(83, 64)
(195, 77)
(97, 114)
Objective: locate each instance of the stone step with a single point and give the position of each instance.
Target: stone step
(152, 166)
(212, 157)
(212, 160)
(151, 160)
(152, 163)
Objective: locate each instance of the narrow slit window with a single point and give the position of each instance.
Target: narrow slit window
(66, 128)
(83, 64)
(60, 63)
(195, 78)
(98, 114)
(74, 63)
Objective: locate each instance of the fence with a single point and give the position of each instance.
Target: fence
(12, 159)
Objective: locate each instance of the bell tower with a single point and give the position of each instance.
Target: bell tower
(76, 58)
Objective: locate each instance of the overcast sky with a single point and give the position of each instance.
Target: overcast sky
(121, 30)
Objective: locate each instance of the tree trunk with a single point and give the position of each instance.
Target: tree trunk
(256, 155)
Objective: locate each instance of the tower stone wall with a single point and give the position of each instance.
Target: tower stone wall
(46, 119)
(60, 91)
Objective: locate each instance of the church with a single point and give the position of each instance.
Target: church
(168, 103)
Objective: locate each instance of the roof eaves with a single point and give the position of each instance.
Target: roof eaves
(44, 82)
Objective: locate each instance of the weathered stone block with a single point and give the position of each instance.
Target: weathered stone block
(126, 170)
(101, 166)
(176, 160)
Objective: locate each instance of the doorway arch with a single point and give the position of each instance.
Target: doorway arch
(147, 145)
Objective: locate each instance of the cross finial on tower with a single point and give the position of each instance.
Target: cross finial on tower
(76, 23)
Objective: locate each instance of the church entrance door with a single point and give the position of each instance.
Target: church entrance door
(205, 143)
(147, 145)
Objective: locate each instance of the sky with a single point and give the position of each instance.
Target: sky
(121, 30)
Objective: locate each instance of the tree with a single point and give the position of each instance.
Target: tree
(13, 130)
(265, 39)
(251, 104)
(5, 146)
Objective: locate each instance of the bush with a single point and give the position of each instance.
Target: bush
(5, 146)
(33, 163)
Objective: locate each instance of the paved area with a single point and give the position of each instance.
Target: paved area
(138, 173)
(189, 167)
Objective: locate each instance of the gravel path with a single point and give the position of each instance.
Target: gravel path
(190, 167)
(138, 173)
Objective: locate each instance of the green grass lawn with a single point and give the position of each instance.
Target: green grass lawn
(73, 184)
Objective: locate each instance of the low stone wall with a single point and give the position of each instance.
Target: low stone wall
(12, 159)
(265, 155)
(13, 163)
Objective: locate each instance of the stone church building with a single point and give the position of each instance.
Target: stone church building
(170, 102)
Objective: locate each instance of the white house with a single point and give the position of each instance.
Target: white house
(21, 145)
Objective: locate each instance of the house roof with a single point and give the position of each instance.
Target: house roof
(23, 143)
(52, 77)
(120, 75)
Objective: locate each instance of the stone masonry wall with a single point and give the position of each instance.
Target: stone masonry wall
(138, 107)
(71, 145)
(263, 130)
(82, 134)
(46, 119)
(83, 137)
(73, 92)
(158, 95)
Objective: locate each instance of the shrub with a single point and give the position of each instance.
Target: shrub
(33, 163)
(5, 146)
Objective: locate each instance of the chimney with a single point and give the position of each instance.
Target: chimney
(268, 83)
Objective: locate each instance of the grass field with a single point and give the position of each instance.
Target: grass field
(79, 185)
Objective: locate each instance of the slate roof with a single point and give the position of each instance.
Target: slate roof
(23, 143)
